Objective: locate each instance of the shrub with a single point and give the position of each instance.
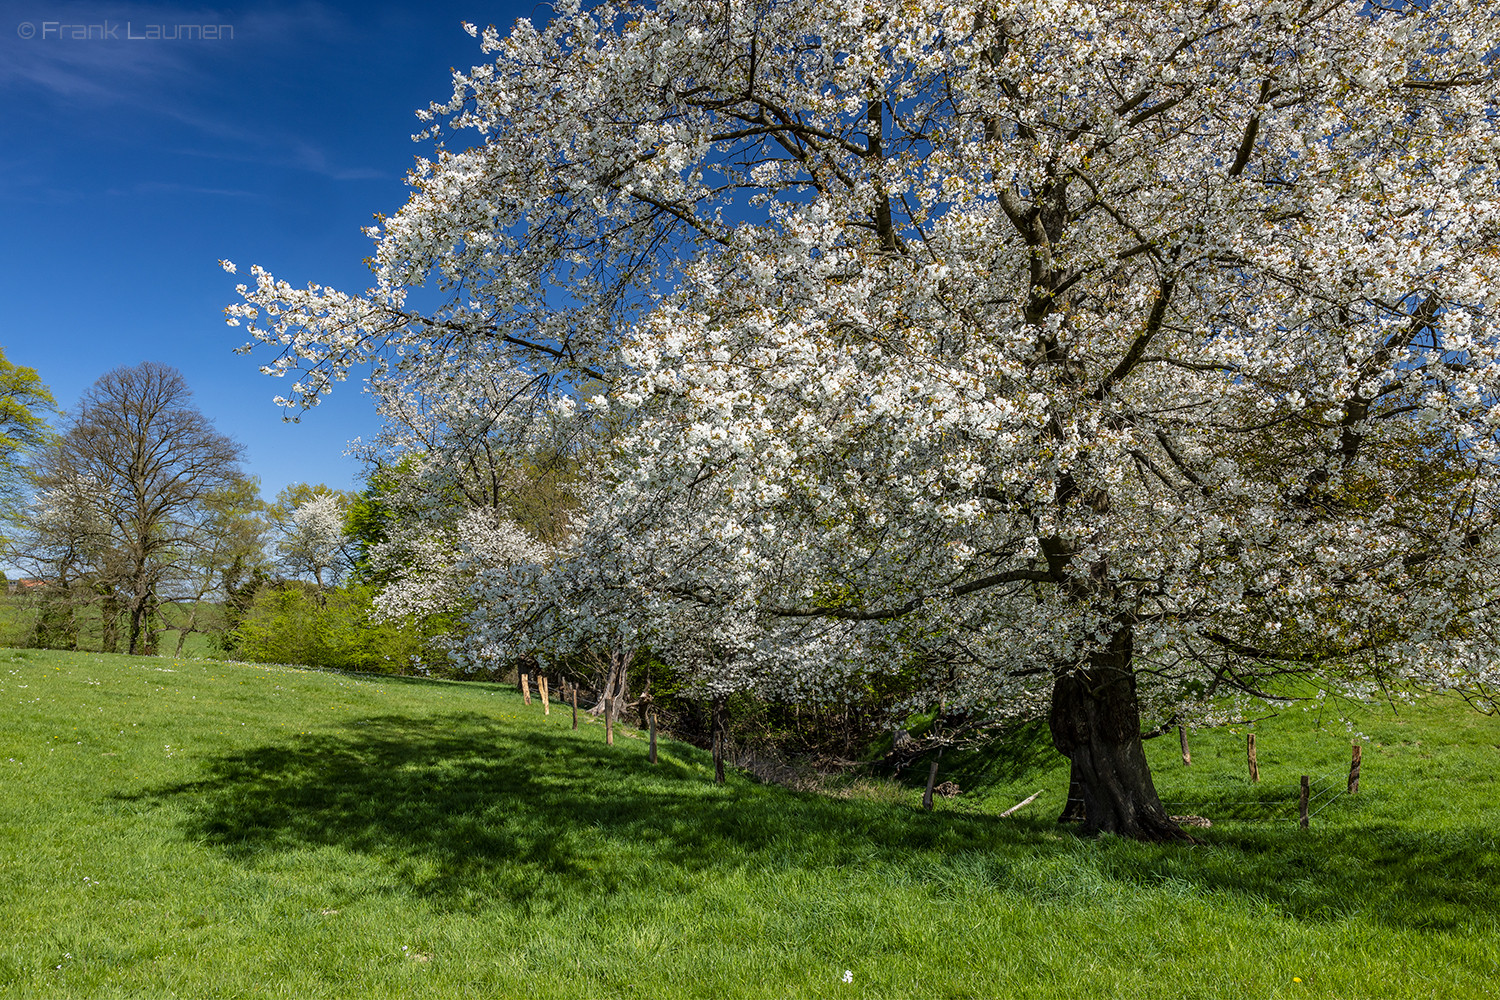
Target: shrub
(296, 623)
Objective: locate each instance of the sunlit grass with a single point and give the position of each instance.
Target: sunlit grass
(178, 827)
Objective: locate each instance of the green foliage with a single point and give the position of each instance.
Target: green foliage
(294, 623)
(52, 617)
(57, 620)
(294, 495)
(24, 401)
(240, 590)
(17, 621)
(370, 514)
(543, 499)
(183, 828)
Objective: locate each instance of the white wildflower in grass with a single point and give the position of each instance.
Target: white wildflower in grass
(848, 976)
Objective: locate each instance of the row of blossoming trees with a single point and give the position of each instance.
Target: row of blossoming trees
(1088, 360)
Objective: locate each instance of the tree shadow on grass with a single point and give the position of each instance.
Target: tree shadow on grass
(465, 810)
(1020, 750)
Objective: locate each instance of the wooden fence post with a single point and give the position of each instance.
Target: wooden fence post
(526, 688)
(1302, 804)
(651, 722)
(1250, 758)
(1187, 758)
(1354, 771)
(573, 689)
(541, 685)
(609, 722)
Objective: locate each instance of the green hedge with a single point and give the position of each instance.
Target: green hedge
(335, 628)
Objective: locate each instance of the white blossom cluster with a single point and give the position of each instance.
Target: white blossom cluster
(964, 341)
(312, 539)
(433, 573)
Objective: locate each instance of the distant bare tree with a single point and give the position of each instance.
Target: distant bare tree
(152, 465)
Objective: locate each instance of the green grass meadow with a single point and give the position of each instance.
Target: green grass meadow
(203, 829)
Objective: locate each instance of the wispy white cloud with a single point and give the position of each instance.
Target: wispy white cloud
(176, 80)
(40, 49)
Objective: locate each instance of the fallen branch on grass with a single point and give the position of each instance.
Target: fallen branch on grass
(1024, 802)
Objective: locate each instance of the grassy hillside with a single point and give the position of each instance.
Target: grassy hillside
(177, 827)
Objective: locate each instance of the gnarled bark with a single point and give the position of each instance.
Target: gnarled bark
(1096, 723)
(1072, 811)
(614, 686)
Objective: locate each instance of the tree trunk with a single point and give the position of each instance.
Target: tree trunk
(137, 618)
(151, 622)
(1073, 808)
(188, 627)
(721, 736)
(74, 614)
(614, 690)
(142, 597)
(109, 612)
(1096, 723)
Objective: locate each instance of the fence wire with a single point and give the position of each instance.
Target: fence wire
(1271, 806)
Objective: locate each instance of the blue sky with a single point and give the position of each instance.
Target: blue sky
(130, 166)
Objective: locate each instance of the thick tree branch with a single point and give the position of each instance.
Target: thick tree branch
(1143, 339)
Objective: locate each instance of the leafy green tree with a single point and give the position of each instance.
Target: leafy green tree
(230, 549)
(368, 519)
(24, 400)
